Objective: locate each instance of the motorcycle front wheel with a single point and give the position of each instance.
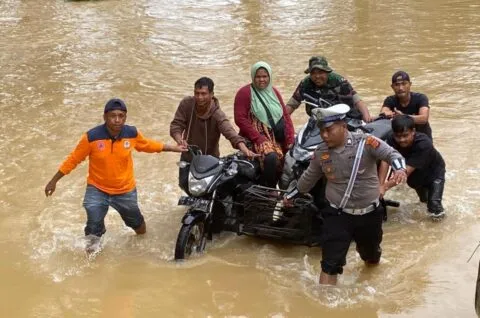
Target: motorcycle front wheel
(191, 239)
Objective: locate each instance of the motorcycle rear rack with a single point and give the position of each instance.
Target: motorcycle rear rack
(266, 216)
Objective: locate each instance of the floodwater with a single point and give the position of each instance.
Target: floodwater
(61, 60)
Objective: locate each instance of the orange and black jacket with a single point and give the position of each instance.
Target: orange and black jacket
(110, 166)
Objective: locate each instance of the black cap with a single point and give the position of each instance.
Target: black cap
(400, 76)
(115, 104)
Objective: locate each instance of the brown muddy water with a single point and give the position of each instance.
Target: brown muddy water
(60, 61)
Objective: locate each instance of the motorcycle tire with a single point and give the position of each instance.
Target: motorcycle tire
(191, 238)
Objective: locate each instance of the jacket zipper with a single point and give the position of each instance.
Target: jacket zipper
(113, 140)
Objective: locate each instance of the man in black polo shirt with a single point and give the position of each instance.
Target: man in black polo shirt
(425, 165)
(406, 102)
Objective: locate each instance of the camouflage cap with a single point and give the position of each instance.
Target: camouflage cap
(328, 116)
(319, 62)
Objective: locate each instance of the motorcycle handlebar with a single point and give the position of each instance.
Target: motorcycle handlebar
(194, 150)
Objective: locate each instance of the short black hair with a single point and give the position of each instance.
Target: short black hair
(205, 81)
(402, 123)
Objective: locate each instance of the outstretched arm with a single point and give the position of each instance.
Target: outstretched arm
(296, 99)
(81, 151)
(292, 104)
(386, 185)
(387, 111)
(388, 107)
(362, 107)
(52, 184)
(382, 151)
(175, 148)
(307, 181)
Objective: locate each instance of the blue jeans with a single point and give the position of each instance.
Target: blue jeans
(96, 204)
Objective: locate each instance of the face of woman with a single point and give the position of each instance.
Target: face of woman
(262, 79)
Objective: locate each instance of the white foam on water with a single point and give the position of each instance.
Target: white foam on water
(10, 19)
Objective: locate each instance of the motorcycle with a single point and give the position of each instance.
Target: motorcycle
(224, 195)
(212, 186)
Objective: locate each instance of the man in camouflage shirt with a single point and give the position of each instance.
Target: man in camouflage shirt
(353, 214)
(326, 88)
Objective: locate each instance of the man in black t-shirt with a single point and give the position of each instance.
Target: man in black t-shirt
(409, 103)
(425, 165)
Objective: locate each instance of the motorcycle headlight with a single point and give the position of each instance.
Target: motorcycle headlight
(197, 187)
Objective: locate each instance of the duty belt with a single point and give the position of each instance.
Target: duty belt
(366, 210)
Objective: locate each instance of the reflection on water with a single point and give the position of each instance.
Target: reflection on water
(59, 63)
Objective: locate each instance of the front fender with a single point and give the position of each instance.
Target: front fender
(193, 215)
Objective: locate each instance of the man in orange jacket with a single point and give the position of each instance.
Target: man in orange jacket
(110, 180)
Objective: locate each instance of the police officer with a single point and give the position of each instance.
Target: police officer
(326, 88)
(349, 162)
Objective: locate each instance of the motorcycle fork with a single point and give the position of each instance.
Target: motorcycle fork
(209, 219)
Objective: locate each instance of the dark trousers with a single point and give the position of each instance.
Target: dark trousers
(270, 171)
(340, 229)
(432, 194)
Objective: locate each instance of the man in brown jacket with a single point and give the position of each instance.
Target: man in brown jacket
(200, 121)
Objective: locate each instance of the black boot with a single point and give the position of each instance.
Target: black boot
(422, 193)
(435, 193)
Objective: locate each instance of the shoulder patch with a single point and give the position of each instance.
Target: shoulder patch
(372, 141)
(318, 152)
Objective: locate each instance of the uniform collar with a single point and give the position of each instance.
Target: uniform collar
(348, 143)
(118, 137)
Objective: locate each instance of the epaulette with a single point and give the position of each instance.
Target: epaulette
(372, 141)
